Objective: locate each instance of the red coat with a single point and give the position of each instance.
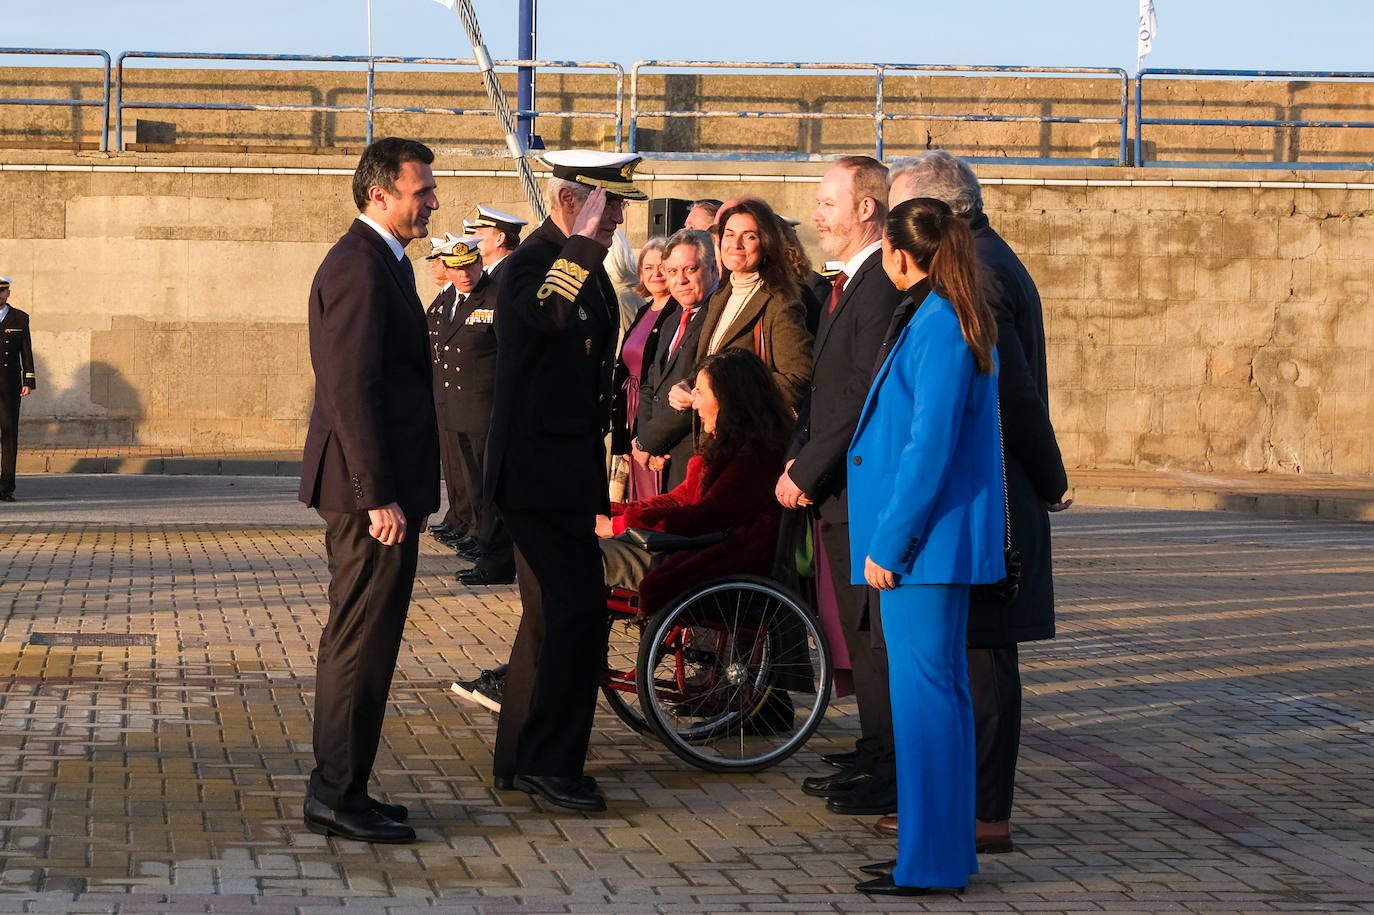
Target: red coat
(738, 499)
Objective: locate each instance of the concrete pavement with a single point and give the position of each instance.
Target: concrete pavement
(1198, 738)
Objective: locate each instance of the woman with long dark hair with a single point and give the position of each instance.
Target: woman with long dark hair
(927, 513)
(758, 305)
(744, 430)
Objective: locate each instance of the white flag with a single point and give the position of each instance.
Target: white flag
(1145, 39)
(451, 4)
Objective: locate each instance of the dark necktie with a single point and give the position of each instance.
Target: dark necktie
(453, 312)
(837, 290)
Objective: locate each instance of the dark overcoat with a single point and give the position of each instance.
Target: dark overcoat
(661, 429)
(1035, 469)
(846, 348)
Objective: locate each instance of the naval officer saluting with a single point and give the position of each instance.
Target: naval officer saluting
(546, 471)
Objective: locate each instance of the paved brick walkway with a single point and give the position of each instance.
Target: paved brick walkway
(1278, 494)
(1199, 738)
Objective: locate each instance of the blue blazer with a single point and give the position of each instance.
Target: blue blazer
(925, 465)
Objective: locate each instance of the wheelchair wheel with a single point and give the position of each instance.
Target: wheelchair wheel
(618, 681)
(740, 675)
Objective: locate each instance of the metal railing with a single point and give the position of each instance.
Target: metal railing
(1141, 121)
(879, 115)
(103, 103)
(370, 108)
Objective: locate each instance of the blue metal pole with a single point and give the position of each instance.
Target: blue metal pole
(524, 124)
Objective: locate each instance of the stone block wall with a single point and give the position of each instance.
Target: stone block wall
(1195, 320)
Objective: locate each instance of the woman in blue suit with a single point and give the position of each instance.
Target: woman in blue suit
(927, 513)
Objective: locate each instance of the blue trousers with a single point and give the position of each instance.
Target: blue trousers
(932, 725)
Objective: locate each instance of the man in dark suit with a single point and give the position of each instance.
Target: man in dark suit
(665, 440)
(546, 471)
(1036, 483)
(371, 470)
(851, 208)
(462, 331)
(17, 379)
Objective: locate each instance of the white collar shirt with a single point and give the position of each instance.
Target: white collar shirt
(396, 247)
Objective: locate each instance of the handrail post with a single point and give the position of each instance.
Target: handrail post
(1139, 156)
(619, 105)
(878, 114)
(634, 103)
(119, 101)
(1125, 115)
(371, 85)
(105, 108)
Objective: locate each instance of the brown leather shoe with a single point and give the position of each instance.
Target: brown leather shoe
(886, 826)
(992, 837)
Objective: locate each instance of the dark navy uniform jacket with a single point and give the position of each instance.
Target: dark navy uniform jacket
(16, 352)
(464, 355)
(556, 341)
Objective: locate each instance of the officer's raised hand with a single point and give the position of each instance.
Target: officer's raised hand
(599, 216)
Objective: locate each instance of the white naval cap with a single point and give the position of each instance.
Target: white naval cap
(594, 168)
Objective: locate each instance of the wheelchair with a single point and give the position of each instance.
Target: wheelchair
(733, 675)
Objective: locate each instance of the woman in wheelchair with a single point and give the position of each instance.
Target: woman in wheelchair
(728, 491)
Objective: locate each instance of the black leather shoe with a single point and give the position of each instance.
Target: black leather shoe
(463, 544)
(506, 783)
(842, 760)
(881, 869)
(480, 576)
(397, 812)
(839, 783)
(6, 497)
(994, 846)
(883, 886)
(359, 825)
(874, 796)
(440, 528)
(562, 791)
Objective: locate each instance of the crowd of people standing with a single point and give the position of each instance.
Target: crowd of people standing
(904, 403)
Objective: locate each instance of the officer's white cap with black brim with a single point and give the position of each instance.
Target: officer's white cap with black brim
(463, 253)
(501, 222)
(5, 282)
(612, 171)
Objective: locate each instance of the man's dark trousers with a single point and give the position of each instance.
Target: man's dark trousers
(369, 593)
(867, 654)
(9, 438)
(562, 587)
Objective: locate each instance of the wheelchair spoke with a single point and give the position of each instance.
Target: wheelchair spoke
(741, 675)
